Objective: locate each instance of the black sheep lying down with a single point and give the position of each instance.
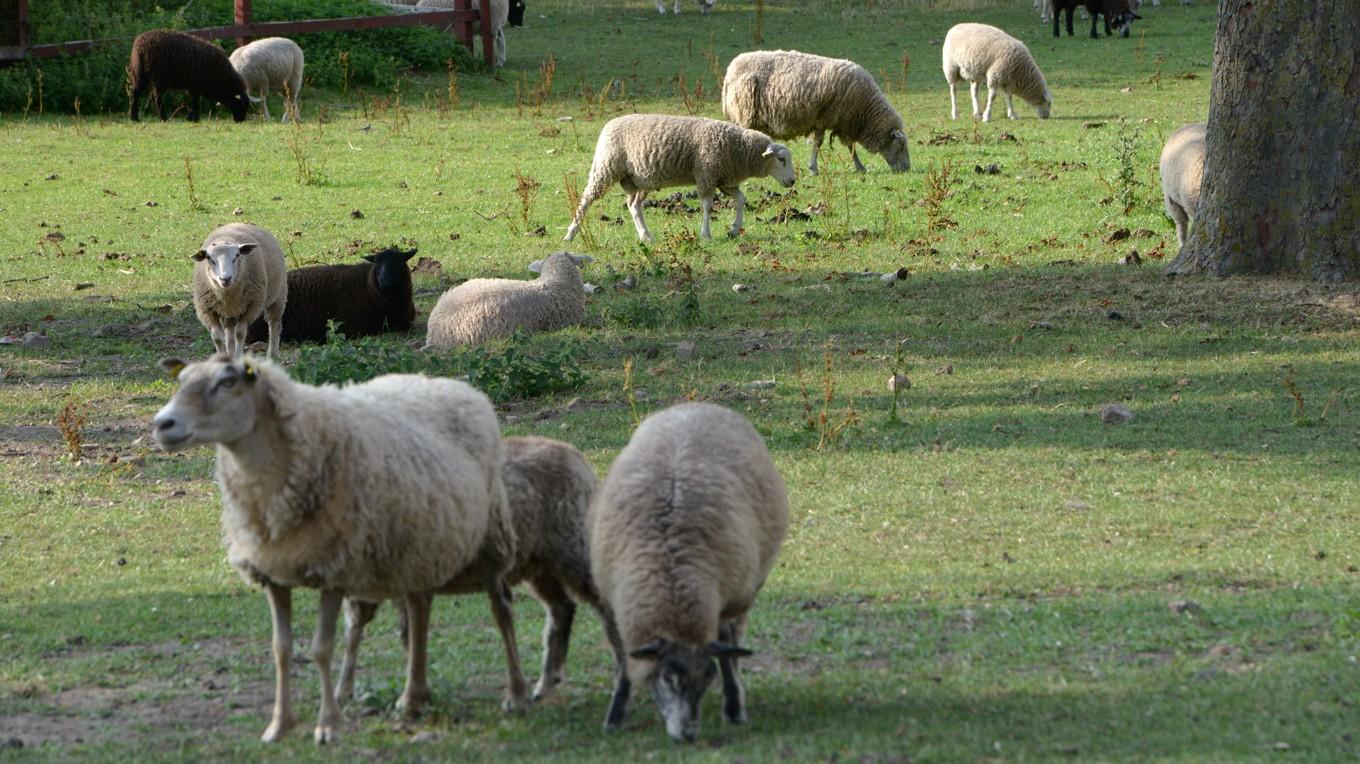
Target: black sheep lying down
(364, 298)
(164, 60)
(1117, 12)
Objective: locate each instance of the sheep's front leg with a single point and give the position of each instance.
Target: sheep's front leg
(635, 200)
(854, 154)
(561, 611)
(193, 107)
(273, 317)
(661, 7)
(219, 338)
(816, 149)
(264, 102)
(281, 610)
(734, 695)
(516, 694)
(1094, 34)
(358, 614)
(417, 693)
(706, 203)
(739, 201)
(972, 91)
(991, 96)
(618, 704)
(953, 103)
(1010, 105)
(329, 719)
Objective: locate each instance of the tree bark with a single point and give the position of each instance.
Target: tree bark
(1280, 191)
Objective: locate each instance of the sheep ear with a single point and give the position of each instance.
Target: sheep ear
(246, 248)
(253, 99)
(580, 259)
(199, 256)
(407, 254)
(769, 151)
(371, 258)
(724, 650)
(651, 650)
(899, 135)
(172, 367)
(1136, 16)
(536, 266)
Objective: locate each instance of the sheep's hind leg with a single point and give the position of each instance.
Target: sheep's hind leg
(635, 201)
(273, 317)
(281, 610)
(859, 166)
(816, 141)
(264, 103)
(953, 102)
(516, 696)
(417, 692)
(972, 91)
(329, 719)
(219, 339)
(991, 96)
(1010, 106)
(358, 614)
(734, 695)
(1180, 218)
(739, 202)
(594, 189)
(561, 611)
(706, 202)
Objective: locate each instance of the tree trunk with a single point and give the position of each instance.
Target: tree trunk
(1283, 148)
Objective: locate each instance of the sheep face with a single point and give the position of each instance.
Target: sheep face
(215, 403)
(1123, 21)
(516, 15)
(390, 270)
(897, 152)
(678, 678)
(222, 257)
(779, 164)
(1046, 108)
(557, 263)
(240, 106)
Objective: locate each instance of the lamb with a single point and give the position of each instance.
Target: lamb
(165, 60)
(481, 309)
(683, 533)
(647, 152)
(1117, 12)
(238, 276)
(704, 6)
(363, 298)
(384, 489)
(788, 94)
(273, 62)
(979, 52)
(500, 14)
(1182, 169)
(548, 485)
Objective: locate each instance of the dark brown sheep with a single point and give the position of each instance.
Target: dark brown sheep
(364, 298)
(1117, 12)
(164, 60)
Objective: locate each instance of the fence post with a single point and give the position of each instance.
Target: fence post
(488, 36)
(243, 18)
(23, 36)
(462, 29)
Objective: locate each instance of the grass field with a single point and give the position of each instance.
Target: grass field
(996, 575)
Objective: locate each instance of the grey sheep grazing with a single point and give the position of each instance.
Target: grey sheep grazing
(363, 299)
(983, 53)
(239, 276)
(271, 63)
(482, 309)
(788, 94)
(684, 531)
(164, 60)
(1182, 168)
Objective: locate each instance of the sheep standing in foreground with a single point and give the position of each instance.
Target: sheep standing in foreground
(379, 490)
(164, 60)
(647, 152)
(1117, 12)
(983, 53)
(481, 309)
(271, 63)
(683, 533)
(788, 94)
(548, 485)
(239, 276)
(1182, 169)
(704, 6)
(500, 14)
(363, 298)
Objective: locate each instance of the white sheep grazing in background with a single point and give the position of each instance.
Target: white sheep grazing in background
(500, 14)
(982, 53)
(378, 490)
(788, 94)
(704, 6)
(272, 63)
(684, 531)
(481, 309)
(240, 274)
(646, 152)
(1182, 168)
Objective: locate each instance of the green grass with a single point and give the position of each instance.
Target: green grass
(991, 578)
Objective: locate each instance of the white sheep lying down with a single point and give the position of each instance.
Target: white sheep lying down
(271, 63)
(378, 490)
(648, 152)
(481, 309)
(240, 274)
(982, 53)
(1182, 167)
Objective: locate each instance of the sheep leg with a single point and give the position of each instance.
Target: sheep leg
(500, 47)
(219, 339)
(358, 614)
(734, 695)
(677, 7)
(1094, 34)
(138, 90)
(329, 719)
(417, 692)
(953, 102)
(594, 189)
(1069, 22)
(635, 200)
(991, 96)
(1057, 14)
(516, 695)
(560, 611)
(291, 108)
(739, 200)
(162, 106)
(854, 154)
(1180, 218)
(281, 610)
(816, 141)
(1010, 105)
(706, 202)
(618, 704)
(264, 101)
(193, 107)
(972, 90)
(273, 316)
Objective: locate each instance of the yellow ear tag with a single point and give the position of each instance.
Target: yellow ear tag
(172, 367)
(250, 372)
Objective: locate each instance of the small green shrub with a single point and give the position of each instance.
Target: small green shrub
(640, 312)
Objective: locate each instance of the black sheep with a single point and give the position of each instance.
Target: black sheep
(1117, 12)
(164, 60)
(516, 13)
(364, 298)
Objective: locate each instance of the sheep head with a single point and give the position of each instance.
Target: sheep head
(678, 676)
(897, 152)
(215, 403)
(221, 257)
(390, 271)
(779, 164)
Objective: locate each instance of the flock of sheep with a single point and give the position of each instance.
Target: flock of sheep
(402, 488)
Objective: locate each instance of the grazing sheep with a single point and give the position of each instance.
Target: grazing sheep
(164, 60)
(481, 309)
(383, 489)
(1182, 168)
(363, 298)
(515, 16)
(704, 6)
(500, 14)
(1117, 12)
(548, 485)
(979, 52)
(271, 63)
(788, 94)
(684, 531)
(239, 276)
(647, 152)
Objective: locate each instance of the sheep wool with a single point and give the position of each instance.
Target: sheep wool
(980, 53)
(481, 309)
(272, 63)
(1182, 168)
(362, 298)
(164, 60)
(238, 277)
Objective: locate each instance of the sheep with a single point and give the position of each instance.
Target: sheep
(378, 490)
(684, 531)
(647, 152)
(500, 14)
(788, 94)
(239, 276)
(548, 485)
(272, 62)
(481, 309)
(1116, 12)
(979, 52)
(363, 298)
(704, 6)
(515, 16)
(165, 60)
(1182, 168)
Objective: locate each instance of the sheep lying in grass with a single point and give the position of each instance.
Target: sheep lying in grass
(379, 490)
(788, 94)
(239, 276)
(363, 298)
(271, 63)
(683, 533)
(164, 60)
(983, 53)
(647, 152)
(548, 485)
(500, 14)
(1182, 167)
(481, 309)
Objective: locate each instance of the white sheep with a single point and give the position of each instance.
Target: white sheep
(1182, 169)
(500, 14)
(704, 6)
(383, 489)
(271, 63)
(788, 94)
(548, 485)
(239, 275)
(647, 152)
(684, 531)
(481, 309)
(983, 53)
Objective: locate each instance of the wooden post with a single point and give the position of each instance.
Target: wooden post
(488, 36)
(463, 29)
(243, 18)
(23, 39)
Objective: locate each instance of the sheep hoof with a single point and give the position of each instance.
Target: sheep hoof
(513, 705)
(277, 729)
(325, 733)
